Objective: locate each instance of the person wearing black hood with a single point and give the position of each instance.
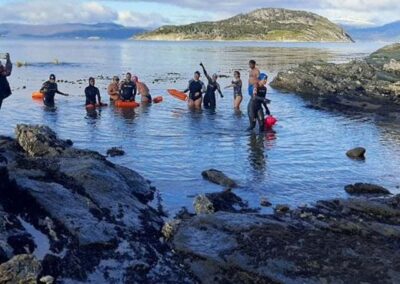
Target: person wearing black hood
(92, 92)
(5, 71)
(50, 89)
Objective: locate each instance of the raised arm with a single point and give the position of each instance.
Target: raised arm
(205, 72)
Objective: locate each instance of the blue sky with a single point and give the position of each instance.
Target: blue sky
(153, 13)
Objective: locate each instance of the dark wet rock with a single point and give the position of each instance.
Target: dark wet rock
(20, 269)
(115, 151)
(220, 201)
(282, 208)
(335, 241)
(357, 153)
(265, 202)
(371, 84)
(366, 188)
(94, 214)
(219, 177)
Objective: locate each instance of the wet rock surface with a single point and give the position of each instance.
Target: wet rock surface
(93, 216)
(335, 241)
(20, 269)
(115, 151)
(371, 84)
(218, 177)
(366, 188)
(357, 153)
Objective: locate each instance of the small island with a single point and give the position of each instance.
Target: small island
(259, 25)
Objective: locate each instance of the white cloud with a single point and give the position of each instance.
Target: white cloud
(87, 12)
(134, 19)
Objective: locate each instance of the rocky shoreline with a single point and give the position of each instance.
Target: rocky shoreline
(368, 85)
(69, 215)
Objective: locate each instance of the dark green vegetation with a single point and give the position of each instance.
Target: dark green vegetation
(262, 24)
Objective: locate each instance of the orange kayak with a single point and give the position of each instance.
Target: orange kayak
(157, 100)
(123, 104)
(37, 96)
(178, 94)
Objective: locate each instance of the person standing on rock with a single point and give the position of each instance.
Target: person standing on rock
(49, 90)
(212, 87)
(128, 89)
(254, 73)
(5, 71)
(92, 93)
(113, 89)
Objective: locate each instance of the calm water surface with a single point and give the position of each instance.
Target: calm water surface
(170, 145)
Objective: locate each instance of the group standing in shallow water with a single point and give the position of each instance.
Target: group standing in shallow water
(127, 90)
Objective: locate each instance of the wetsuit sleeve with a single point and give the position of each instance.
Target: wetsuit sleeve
(8, 69)
(188, 87)
(58, 91)
(266, 108)
(87, 92)
(206, 74)
(98, 95)
(219, 90)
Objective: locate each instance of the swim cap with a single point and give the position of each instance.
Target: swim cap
(52, 77)
(263, 76)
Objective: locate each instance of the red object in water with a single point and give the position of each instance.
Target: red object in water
(157, 100)
(270, 121)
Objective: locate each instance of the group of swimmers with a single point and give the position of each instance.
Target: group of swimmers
(124, 91)
(257, 91)
(130, 87)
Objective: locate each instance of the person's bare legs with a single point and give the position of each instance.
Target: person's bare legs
(197, 103)
(237, 102)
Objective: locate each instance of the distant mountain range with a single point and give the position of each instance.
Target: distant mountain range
(262, 24)
(69, 31)
(388, 32)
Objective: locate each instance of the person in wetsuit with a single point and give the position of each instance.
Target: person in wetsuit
(128, 89)
(50, 89)
(92, 93)
(142, 90)
(5, 71)
(113, 89)
(212, 86)
(237, 90)
(196, 88)
(257, 102)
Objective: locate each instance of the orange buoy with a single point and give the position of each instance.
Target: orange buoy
(178, 94)
(37, 96)
(157, 100)
(123, 104)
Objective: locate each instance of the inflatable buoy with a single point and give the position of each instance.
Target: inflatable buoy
(178, 94)
(157, 100)
(122, 104)
(92, 106)
(270, 121)
(37, 96)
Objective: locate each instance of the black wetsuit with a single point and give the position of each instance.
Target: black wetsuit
(256, 112)
(49, 90)
(92, 93)
(128, 90)
(194, 88)
(5, 89)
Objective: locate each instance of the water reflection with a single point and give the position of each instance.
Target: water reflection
(257, 157)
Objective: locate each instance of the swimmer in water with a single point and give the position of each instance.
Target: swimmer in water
(196, 88)
(142, 90)
(237, 90)
(212, 87)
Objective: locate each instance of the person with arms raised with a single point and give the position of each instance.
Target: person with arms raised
(212, 87)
